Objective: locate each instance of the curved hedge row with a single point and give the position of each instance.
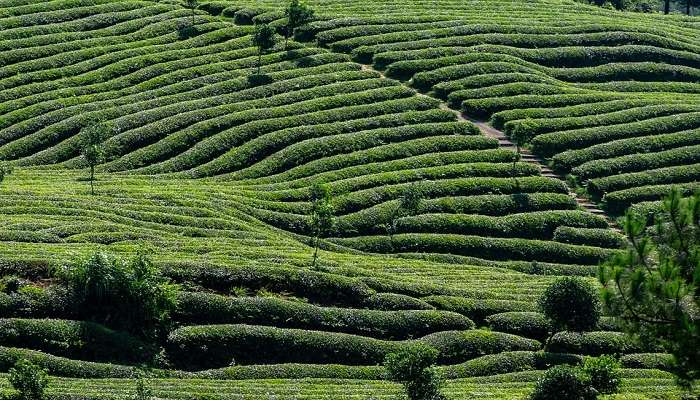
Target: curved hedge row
(211, 308)
(637, 162)
(76, 339)
(593, 343)
(551, 143)
(194, 347)
(569, 159)
(589, 237)
(669, 175)
(490, 248)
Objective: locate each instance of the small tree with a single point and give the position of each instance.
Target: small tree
(413, 368)
(563, 382)
(408, 204)
(92, 150)
(653, 286)
(263, 39)
(29, 380)
(132, 296)
(143, 392)
(603, 373)
(571, 304)
(297, 15)
(192, 5)
(321, 216)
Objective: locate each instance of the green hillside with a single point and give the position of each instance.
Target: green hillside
(213, 169)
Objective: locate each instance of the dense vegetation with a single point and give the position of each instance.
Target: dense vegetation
(257, 199)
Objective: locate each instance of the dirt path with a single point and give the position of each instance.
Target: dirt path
(526, 155)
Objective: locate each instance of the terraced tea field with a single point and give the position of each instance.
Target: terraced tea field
(213, 168)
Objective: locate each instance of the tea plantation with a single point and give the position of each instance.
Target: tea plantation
(460, 145)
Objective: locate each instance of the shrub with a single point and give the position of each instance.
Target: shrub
(29, 380)
(593, 343)
(131, 296)
(563, 382)
(412, 367)
(460, 346)
(603, 372)
(529, 324)
(571, 304)
(394, 302)
(211, 308)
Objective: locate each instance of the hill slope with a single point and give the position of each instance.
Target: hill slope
(214, 170)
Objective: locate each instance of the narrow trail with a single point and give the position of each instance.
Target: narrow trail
(526, 155)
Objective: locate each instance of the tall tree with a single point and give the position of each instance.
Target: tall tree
(653, 286)
(321, 216)
(92, 150)
(192, 5)
(297, 15)
(263, 39)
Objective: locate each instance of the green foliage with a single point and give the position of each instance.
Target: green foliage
(571, 304)
(29, 380)
(297, 15)
(653, 286)
(321, 216)
(264, 40)
(563, 382)
(413, 368)
(604, 373)
(92, 149)
(192, 5)
(132, 296)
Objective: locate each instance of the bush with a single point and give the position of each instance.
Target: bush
(211, 308)
(395, 302)
(571, 304)
(528, 324)
(605, 238)
(29, 380)
(604, 373)
(507, 362)
(563, 382)
(131, 296)
(460, 346)
(412, 367)
(593, 343)
(213, 346)
(75, 339)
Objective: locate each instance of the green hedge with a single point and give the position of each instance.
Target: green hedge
(540, 126)
(485, 108)
(395, 302)
(552, 143)
(447, 187)
(484, 247)
(318, 287)
(459, 346)
(212, 346)
(508, 362)
(660, 361)
(617, 202)
(593, 343)
(637, 162)
(59, 366)
(295, 371)
(532, 225)
(478, 309)
(528, 324)
(75, 339)
(606, 238)
(669, 175)
(646, 144)
(211, 308)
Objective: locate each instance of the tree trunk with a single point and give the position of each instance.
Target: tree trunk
(687, 7)
(193, 17)
(667, 6)
(92, 179)
(259, 61)
(313, 262)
